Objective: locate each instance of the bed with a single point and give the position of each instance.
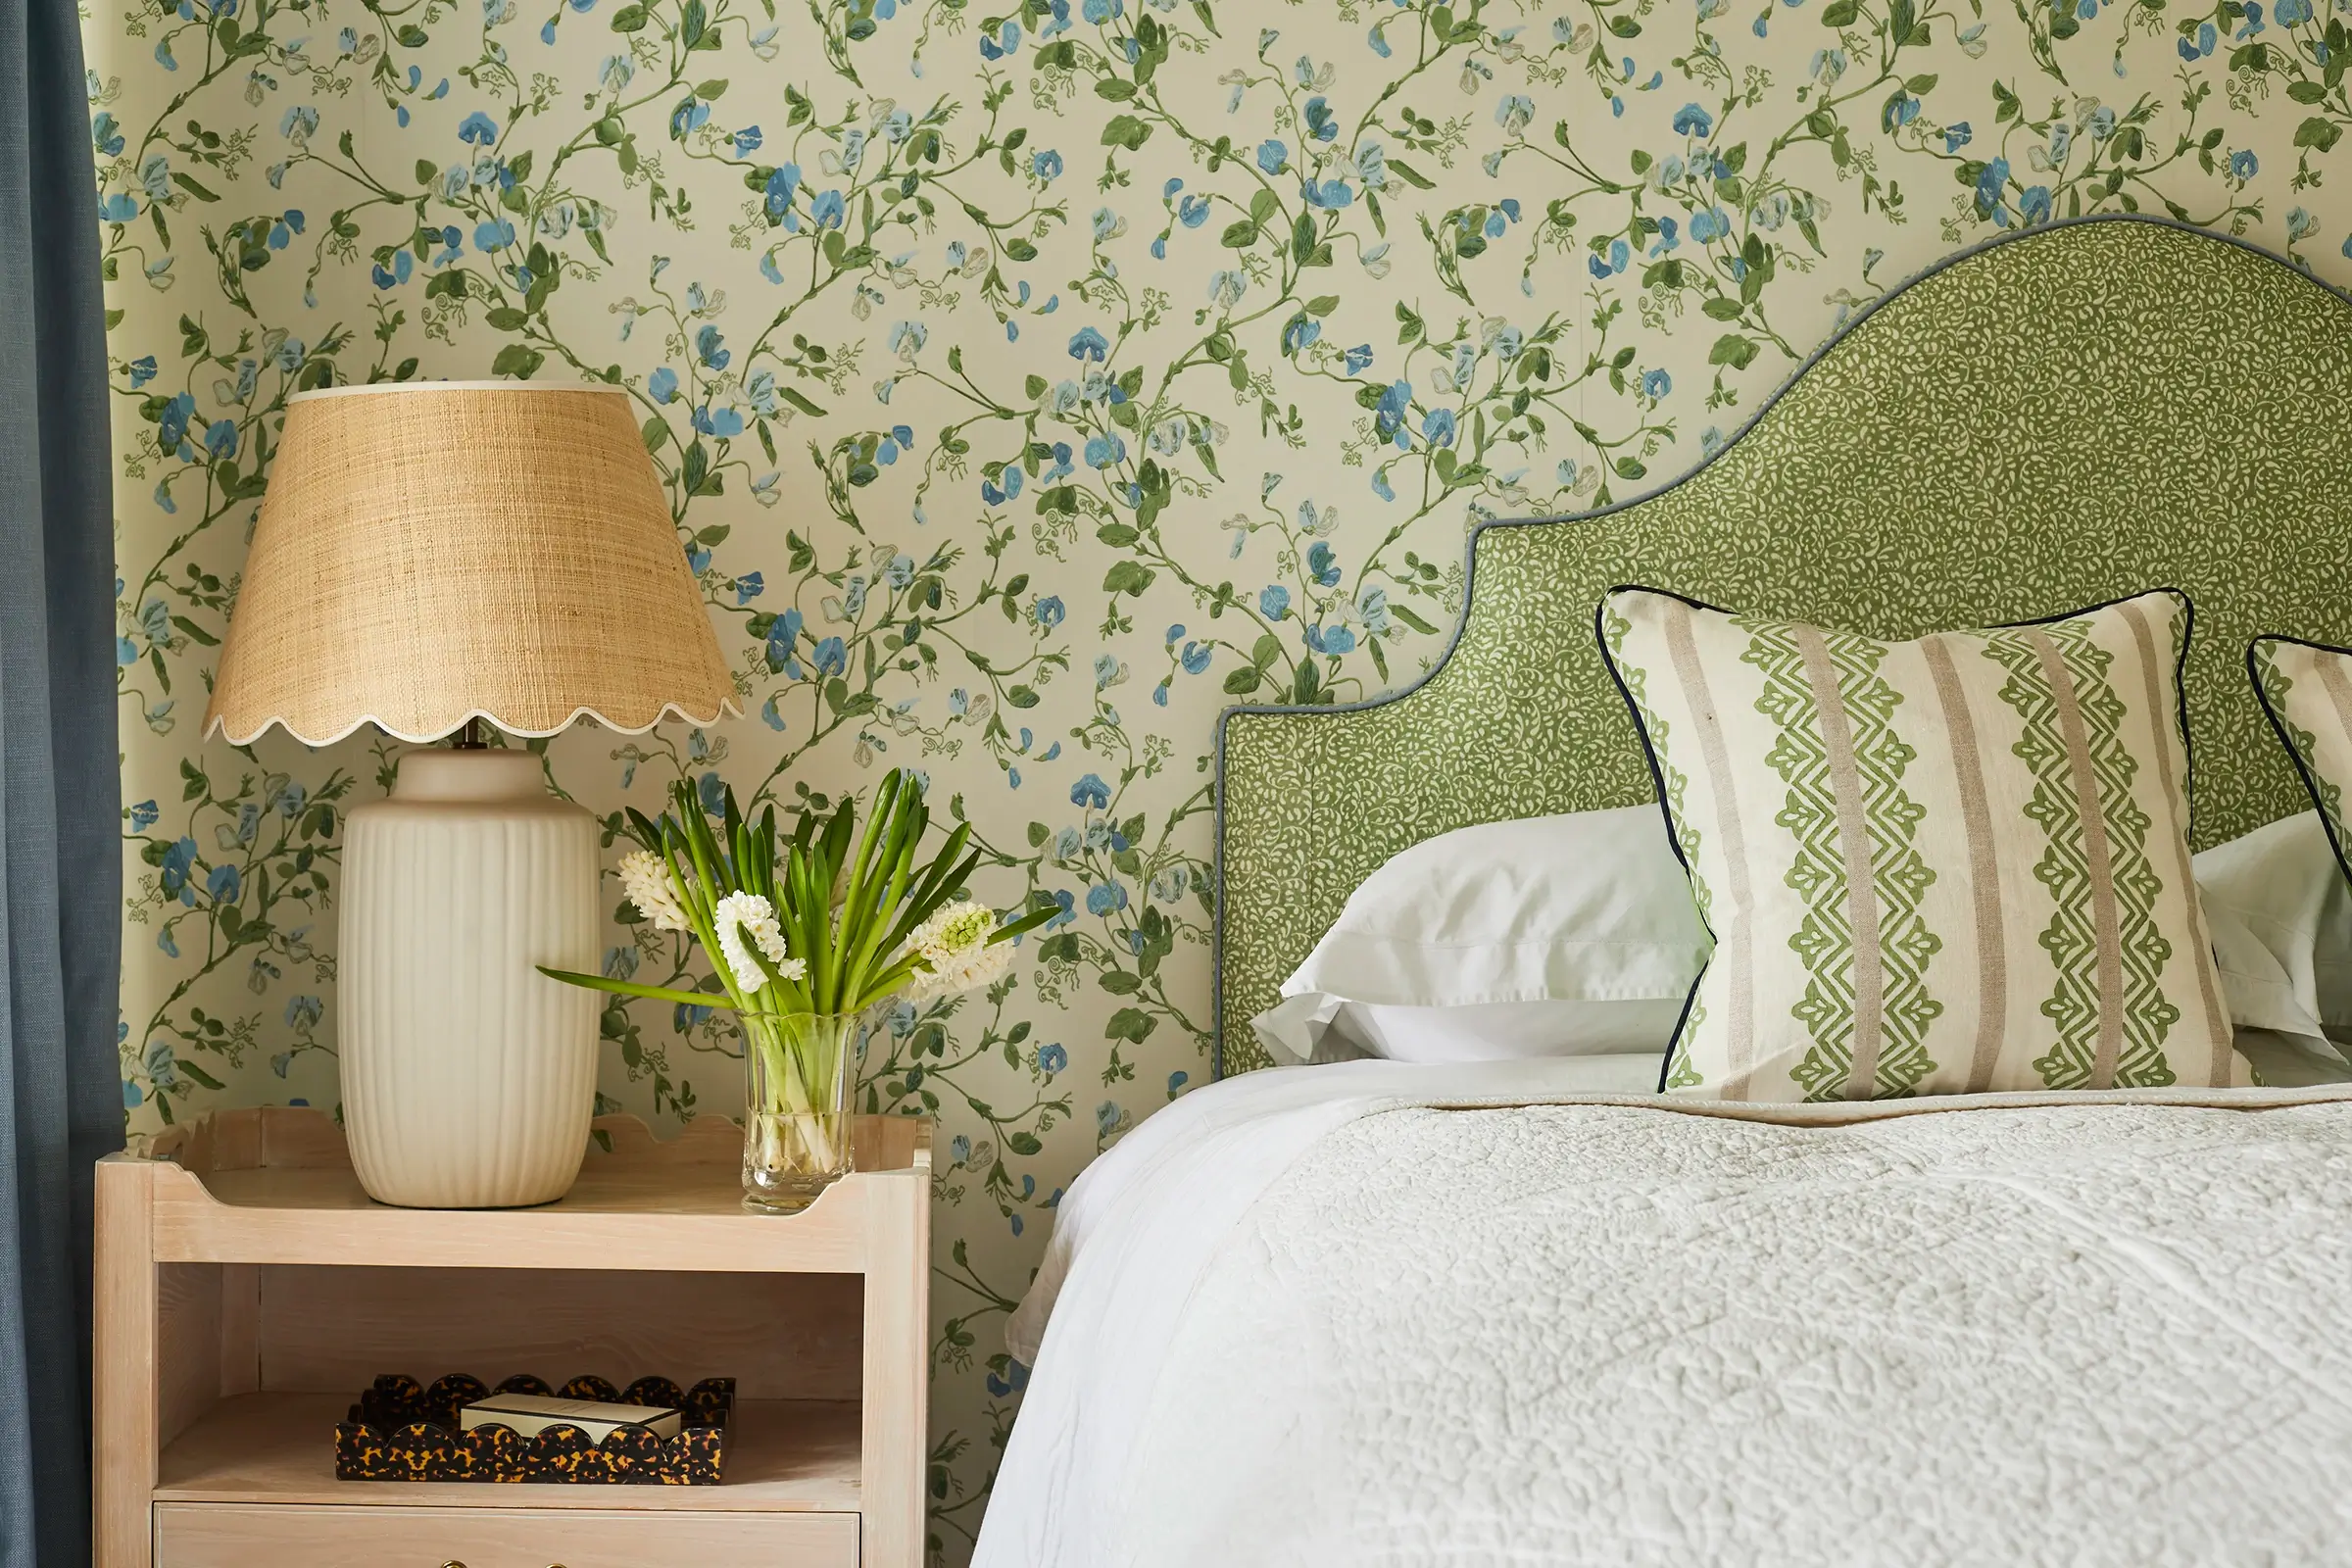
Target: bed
(1530, 1312)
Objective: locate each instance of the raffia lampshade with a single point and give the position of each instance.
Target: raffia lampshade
(433, 552)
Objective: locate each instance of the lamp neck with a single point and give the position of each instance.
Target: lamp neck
(470, 737)
(447, 774)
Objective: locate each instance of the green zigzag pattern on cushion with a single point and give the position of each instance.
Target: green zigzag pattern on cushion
(1826, 941)
(2060, 419)
(2275, 684)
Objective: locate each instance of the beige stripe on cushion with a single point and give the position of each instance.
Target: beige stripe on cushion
(1984, 865)
(2216, 1028)
(2332, 681)
(1740, 1030)
(1853, 841)
(2096, 857)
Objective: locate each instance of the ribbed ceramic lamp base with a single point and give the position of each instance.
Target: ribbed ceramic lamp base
(468, 1077)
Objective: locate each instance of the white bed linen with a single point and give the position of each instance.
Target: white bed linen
(1221, 1376)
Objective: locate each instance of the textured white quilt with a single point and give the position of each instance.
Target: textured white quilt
(1305, 1324)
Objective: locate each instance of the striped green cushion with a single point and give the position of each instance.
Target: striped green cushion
(2306, 688)
(1950, 865)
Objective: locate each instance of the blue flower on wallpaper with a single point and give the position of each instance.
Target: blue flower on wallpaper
(690, 115)
(1274, 601)
(1004, 41)
(1088, 344)
(171, 425)
(1322, 565)
(1090, 793)
(477, 129)
(1329, 194)
(105, 135)
(144, 815)
(1106, 451)
(1437, 428)
(1272, 156)
(1051, 1058)
(1991, 184)
(831, 657)
(119, 208)
(1047, 611)
(829, 210)
(2291, 12)
(2244, 165)
(1098, 12)
(225, 884)
(403, 265)
(221, 438)
(783, 643)
(2034, 206)
(1692, 120)
(178, 862)
(1105, 898)
(1956, 135)
(708, 348)
(1321, 123)
(781, 187)
(1388, 416)
(722, 423)
(1046, 165)
(1300, 332)
(713, 791)
(1656, 384)
(662, 385)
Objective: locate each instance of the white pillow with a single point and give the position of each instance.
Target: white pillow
(2281, 924)
(1552, 936)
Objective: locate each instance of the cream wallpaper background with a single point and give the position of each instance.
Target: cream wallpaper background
(1028, 383)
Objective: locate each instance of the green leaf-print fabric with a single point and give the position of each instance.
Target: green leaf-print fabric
(1958, 863)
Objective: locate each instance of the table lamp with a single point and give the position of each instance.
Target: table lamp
(431, 557)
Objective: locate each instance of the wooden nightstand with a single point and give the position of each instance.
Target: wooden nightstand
(248, 1290)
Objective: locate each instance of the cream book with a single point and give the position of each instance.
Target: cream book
(532, 1415)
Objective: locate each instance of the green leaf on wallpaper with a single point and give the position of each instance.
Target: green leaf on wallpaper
(654, 433)
(801, 403)
(1724, 309)
(411, 37)
(1115, 88)
(2319, 134)
(2306, 92)
(426, 171)
(1119, 983)
(1243, 681)
(1021, 697)
(1625, 26)
(1412, 618)
(1840, 13)
(1128, 578)
(193, 187)
(1734, 350)
(1410, 175)
(1117, 535)
(517, 359)
(1322, 304)
(1131, 1024)
(712, 88)
(1238, 234)
(1125, 130)
(629, 18)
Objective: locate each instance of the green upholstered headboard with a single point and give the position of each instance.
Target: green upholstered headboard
(2056, 419)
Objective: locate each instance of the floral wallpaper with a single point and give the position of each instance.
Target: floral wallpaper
(1029, 380)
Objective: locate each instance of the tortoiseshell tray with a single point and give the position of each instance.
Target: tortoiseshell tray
(402, 1431)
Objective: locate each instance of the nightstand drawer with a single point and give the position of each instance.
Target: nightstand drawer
(203, 1535)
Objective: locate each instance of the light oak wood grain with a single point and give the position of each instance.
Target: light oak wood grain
(222, 1535)
(127, 1394)
(780, 1336)
(247, 1289)
(897, 1370)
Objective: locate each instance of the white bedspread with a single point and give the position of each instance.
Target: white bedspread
(1301, 1318)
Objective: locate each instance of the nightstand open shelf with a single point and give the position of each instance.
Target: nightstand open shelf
(248, 1290)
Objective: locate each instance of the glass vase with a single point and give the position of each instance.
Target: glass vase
(799, 1069)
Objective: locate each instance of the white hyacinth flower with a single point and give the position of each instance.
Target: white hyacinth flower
(954, 932)
(739, 912)
(967, 970)
(645, 877)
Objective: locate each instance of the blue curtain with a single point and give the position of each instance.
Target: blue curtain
(61, 1098)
